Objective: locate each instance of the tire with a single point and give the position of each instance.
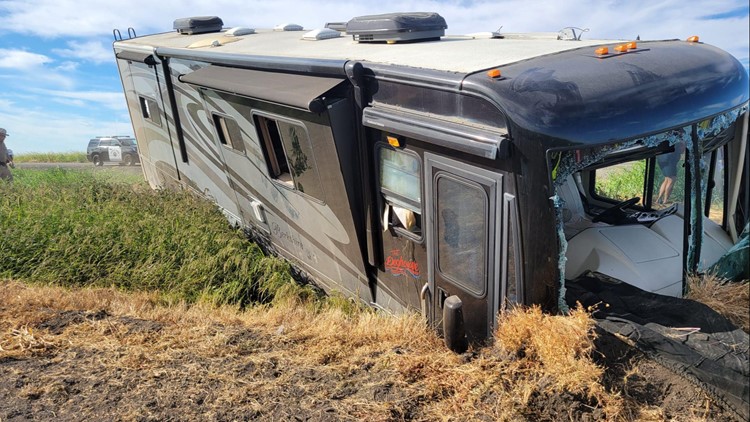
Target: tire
(97, 160)
(127, 160)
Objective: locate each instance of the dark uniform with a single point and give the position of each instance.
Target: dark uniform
(5, 173)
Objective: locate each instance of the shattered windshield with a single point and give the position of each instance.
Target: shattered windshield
(623, 209)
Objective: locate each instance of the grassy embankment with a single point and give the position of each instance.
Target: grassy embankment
(50, 157)
(82, 229)
(78, 228)
(307, 354)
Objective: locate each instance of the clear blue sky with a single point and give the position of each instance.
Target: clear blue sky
(59, 84)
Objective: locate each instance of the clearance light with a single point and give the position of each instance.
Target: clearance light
(601, 51)
(632, 45)
(494, 73)
(694, 38)
(393, 141)
(622, 48)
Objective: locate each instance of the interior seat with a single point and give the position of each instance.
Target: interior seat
(575, 219)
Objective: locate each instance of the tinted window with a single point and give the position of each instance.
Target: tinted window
(399, 174)
(462, 232)
(401, 190)
(289, 154)
(300, 158)
(229, 132)
(150, 110)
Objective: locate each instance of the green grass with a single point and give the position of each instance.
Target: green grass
(50, 157)
(623, 183)
(627, 182)
(87, 228)
(111, 175)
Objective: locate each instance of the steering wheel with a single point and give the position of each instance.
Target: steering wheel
(614, 209)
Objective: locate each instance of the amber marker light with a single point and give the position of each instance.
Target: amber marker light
(601, 51)
(694, 38)
(494, 73)
(632, 45)
(622, 48)
(393, 141)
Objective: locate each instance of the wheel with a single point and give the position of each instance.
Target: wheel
(97, 160)
(614, 210)
(127, 160)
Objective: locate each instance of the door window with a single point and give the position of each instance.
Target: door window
(462, 213)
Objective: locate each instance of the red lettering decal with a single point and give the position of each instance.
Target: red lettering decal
(398, 266)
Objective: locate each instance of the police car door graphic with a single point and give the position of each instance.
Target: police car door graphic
(115, 153)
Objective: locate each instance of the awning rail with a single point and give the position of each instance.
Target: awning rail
(301, 91)
(470, 139)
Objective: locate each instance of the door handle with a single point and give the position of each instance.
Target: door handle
(258, 211)
(423, 296)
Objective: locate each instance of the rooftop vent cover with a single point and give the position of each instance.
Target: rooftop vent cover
(288, 27)
(393, 27)
(198, 25)
(321, 34)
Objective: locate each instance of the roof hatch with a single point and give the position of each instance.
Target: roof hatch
(395, 27)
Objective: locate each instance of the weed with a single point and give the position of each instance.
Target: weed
(79, 228)
(731, 299)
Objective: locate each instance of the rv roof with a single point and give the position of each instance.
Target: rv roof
(463, 54)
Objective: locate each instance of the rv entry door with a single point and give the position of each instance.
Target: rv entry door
(463, 241)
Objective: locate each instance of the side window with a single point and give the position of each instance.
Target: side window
(150, 110)
(715, 184)
(289, 154)
(273, 150)
(229, 132)
(621, 181)
(461, 215)
(401, 190)
(631, 179)
(669, 178)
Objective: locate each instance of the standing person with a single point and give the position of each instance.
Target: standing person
(668, 165)
(5, 173)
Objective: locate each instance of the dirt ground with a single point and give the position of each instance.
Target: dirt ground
(104, 355)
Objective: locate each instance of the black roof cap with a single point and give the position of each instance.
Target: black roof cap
(578, 98)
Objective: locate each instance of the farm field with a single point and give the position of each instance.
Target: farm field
(120, 303)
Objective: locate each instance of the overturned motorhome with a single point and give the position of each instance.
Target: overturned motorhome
(405, 167)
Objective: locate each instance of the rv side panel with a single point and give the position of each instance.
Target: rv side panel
(203, 168)
(284, 167)
(141, 85)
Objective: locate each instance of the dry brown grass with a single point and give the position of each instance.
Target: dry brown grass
(731, 299)
(102, 354)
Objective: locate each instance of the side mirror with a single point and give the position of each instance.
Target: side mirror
(453, 325)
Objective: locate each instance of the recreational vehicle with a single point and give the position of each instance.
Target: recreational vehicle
(452, 175)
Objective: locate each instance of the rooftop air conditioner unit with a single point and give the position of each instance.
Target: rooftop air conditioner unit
(198, 25)
(395, 27)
